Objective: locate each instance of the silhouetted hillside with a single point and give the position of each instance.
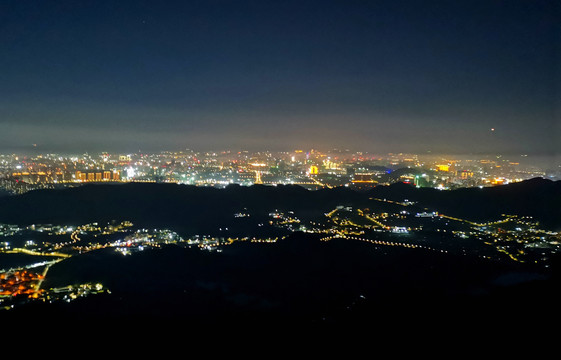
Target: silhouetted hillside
(296, 281)
(199, 208)
(538, 197)
(189, 207)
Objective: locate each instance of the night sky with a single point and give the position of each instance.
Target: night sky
(376, 76)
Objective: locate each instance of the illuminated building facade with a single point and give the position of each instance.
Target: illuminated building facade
(97, 176)
(363, 181)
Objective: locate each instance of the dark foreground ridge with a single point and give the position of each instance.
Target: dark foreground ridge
(298, 280)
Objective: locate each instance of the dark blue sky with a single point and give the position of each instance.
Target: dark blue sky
(380, 76)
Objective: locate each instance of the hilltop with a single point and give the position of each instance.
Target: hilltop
(538, 197)
(200, 208)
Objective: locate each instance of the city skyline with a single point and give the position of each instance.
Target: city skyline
(452, 77)
(309, 168)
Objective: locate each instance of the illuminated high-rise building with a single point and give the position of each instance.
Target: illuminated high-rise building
(466, 174)
(258, 177)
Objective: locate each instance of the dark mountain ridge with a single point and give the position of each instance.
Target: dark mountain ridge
(296, 280)
(192, 206)
(537, 197)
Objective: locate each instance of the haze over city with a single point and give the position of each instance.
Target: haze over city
(379, 76)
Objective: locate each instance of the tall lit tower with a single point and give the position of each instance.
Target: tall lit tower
(258, 168)
(258, 177)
